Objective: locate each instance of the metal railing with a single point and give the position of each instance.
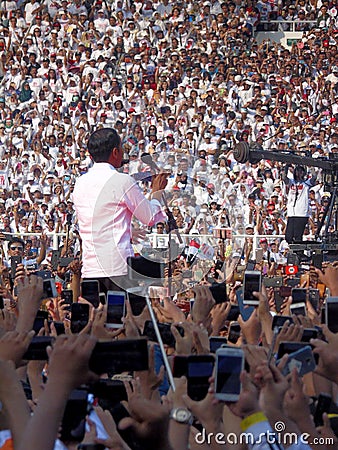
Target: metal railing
(283, 25)
(48, 234)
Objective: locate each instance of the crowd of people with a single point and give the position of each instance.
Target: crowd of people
(185, 83)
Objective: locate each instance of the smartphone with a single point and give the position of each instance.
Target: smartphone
(180, 366)
(308, 334)
(114, 357)
(90, 292)
(245, 310)
(331, 313)
(229, 365)
(298, 295)
(116, 302)
(79, 317)
(39, 321)
(219, 292)
(323, 406)
(15, 261)
(73, 425)
(233, 313)
(259, 255)
(110, 392)
(67, 296)
(137, 303)
(252, 283)
(44, 274)
(216, 342)
(317, 260)
(140, 268)
(191, 302)
(293, 282)
(64, 262)
(314, 298)
(273, 281)
(292, 259)
(278, 321)
(200, 369)
(37, 349)
(102, 298)
(251, 265)
(59, 328)
(299, 309)
(302, 360)
(49, 288)
(55, 259)
(159, 291)
(323, 314)
(2, 305)
(165, 332)
(291, 347)
(234, 332)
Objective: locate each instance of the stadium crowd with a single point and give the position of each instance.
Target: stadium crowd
(184, 82)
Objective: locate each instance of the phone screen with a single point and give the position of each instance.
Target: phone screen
(298, 295)
(90, 292)
(252, 283)
(198, 374)
(229, 368)
(67, 296)
(137, 303)
(115, 308)
(332, 316)
(298, 309)
(79, 317)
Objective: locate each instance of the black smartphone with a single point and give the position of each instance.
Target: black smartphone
(252, 283)
(291, 347)
(44, 274)
(114, 357)
(308, 334)
(55, 259)
(314, 298)
(67, 296)
(292, 259)
(165, 332)
(273, 281)
(137, 303)
(293, 282)
(234, 332)
(219, 292)
(323, 406)
(298, 295)
(331, 313)
(1, 302)
(79, 317)
(73, 425)
(317, 260)
(108, 392)
(180, 367)
(140, 268)
(49, 288)
(15, 261)
(64, 262)
(233, 313)
(37, 349)
(278, 321)
(200, 368)
(90, 292)
(39, 321)
(59, 328)
(91, 447)
(216, 342)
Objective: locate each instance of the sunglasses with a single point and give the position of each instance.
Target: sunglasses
(14, 247)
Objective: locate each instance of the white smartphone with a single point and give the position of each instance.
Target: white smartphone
(252, 283)
(331, 313)
(116, 303)
(299, 309)
(229, 365)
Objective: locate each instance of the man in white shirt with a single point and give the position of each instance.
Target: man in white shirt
(105, 202)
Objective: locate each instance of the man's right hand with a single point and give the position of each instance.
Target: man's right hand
(159, 182)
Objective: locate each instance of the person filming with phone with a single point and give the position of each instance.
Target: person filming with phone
(106, 201)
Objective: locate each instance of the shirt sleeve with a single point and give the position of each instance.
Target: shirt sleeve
(148, 212)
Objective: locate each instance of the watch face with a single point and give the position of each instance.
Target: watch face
(182, 415)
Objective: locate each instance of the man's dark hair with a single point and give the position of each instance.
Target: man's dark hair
(18, 240)
(101, 144)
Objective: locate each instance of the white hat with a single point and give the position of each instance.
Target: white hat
(238, 78)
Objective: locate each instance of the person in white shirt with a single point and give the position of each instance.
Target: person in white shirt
(105, 202)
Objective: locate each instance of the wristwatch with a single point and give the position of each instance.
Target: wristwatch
(181, 415)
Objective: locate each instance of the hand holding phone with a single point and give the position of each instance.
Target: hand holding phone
(229, 365)
(115, 309)
(252, 283)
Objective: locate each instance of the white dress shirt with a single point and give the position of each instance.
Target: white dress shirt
(105, 202)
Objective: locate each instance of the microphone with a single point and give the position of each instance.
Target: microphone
(146, 158)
